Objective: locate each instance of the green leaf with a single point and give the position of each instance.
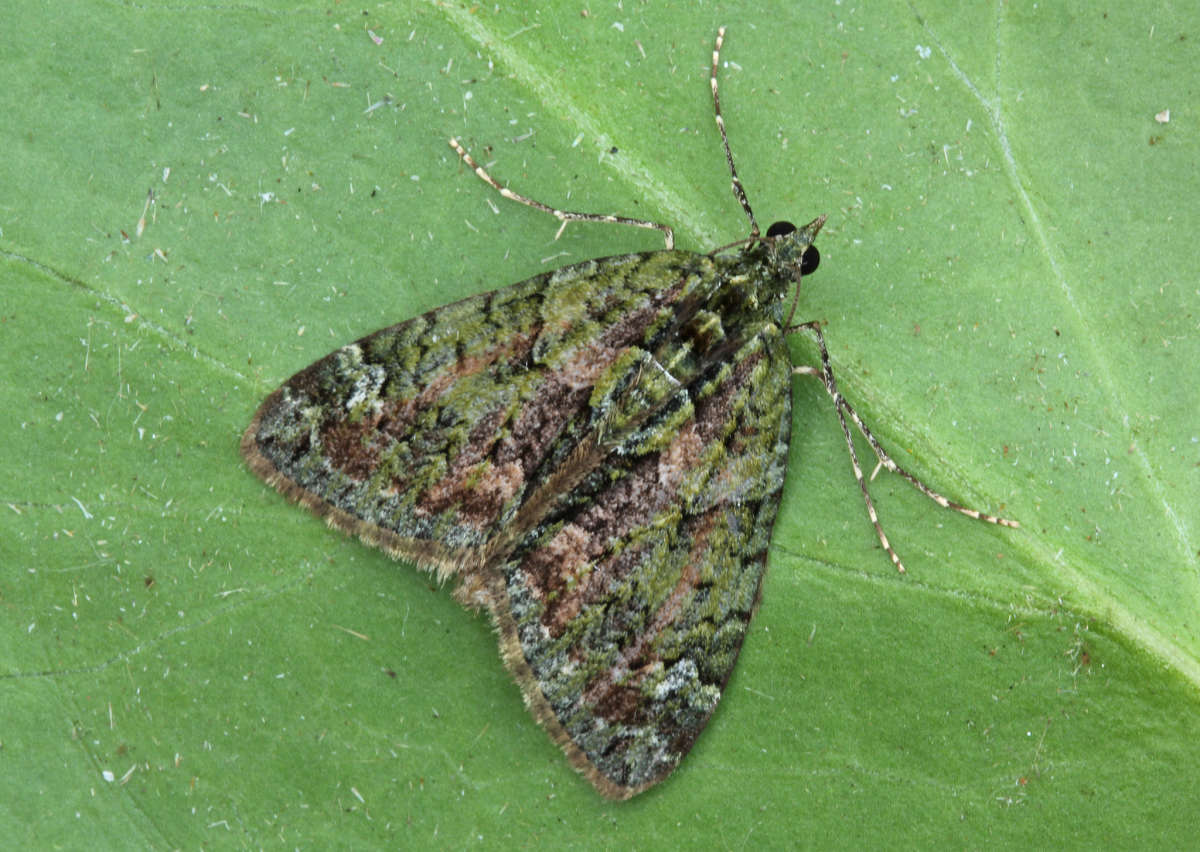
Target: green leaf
(1008, 284)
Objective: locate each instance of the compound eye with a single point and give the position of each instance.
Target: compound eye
(779, 229)
(810, 261)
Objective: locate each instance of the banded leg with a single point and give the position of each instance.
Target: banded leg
(844, 410)
(563, 216)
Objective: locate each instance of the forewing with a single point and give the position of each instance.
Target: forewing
(628, 603)
(597, 454)
(424, 438)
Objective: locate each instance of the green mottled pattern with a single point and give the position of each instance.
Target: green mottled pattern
(596, 454)
(634, 627)
(437, 428)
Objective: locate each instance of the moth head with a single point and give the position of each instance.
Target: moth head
(793, 247)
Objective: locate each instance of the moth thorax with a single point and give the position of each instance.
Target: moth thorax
(706, 330)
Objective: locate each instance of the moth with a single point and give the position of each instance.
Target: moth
(595, 456)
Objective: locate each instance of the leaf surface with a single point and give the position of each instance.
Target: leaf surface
(1009, 290)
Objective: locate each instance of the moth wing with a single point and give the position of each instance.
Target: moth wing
(423, 438)
(597, 455)
(623, 611)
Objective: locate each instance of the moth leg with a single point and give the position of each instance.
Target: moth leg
(563, 216)
(844, 410)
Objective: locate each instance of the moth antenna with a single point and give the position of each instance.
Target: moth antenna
(563, 216)
(739, 191)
